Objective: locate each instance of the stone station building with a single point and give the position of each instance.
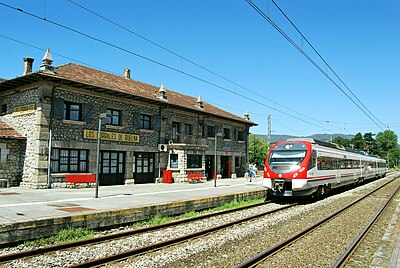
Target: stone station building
(145, 130)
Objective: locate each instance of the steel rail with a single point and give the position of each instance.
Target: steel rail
(39, 251)
(354, 245)
(263, 255)
(160, 245)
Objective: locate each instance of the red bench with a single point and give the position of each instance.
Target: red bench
(195, 177)
(80, 178)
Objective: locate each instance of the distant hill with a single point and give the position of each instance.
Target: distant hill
(321, 137)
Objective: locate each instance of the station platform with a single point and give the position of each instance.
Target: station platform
(29, 213)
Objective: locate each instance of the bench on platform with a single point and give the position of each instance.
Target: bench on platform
(195, 177)
(80, 178)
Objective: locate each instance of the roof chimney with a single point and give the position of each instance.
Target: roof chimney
(200, 102)
(47, 61)
(28, 63)
(246, 115)
(127, 73)
(162, 93)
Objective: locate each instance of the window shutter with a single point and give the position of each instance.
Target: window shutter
(205, 131)
(58, 108)
(219, 129)
(156, 122)
(87, 112)
(136, 121)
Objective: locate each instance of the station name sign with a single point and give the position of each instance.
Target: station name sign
(110, 136)
(24, 109)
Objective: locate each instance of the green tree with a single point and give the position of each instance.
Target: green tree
(359, 142)
(258, 149)
(386, 142)
(342, 141)
(371, 143)
(394, 156)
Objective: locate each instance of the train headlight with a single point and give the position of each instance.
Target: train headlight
(295, 175)
(302, 169)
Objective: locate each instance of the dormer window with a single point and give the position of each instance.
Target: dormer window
(199, 102)
(162, 93)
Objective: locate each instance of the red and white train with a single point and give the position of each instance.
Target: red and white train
(309, 167)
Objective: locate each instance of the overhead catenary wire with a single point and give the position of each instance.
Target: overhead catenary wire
(253, 113)
(326, 63)
(157, 63)
(276, 27)
(189, 60)
(87, 64)
(55, 53)
(99, 68)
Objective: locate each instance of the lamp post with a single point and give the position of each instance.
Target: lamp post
(101, 116)
(219, 134)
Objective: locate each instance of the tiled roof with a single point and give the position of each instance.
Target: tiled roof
(96, 78)
(8, 132)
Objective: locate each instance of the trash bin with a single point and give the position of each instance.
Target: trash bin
(167, 176)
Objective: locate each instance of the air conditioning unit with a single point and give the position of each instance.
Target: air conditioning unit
(162, 148)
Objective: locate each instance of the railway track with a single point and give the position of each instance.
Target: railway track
(297, 244)
(57, 250)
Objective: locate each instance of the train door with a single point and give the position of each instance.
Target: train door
(112, 168)
(143, 168)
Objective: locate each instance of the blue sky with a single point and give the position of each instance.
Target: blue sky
(359, 39)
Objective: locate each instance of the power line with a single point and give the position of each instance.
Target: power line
(186, 59)
(155, 62)
(99, 68)
(276, 27)
(259, 115)
(319, 55)
(55, 53)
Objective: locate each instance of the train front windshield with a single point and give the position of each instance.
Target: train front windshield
(286, 158)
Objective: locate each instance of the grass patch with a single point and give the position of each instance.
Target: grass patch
(233, 205)
(64, 236)
(157, 220)
(76, 234)
(189, 214)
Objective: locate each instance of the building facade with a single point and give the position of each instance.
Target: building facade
(144, 130)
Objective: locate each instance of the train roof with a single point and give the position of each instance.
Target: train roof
(322, 143)
(332, 145)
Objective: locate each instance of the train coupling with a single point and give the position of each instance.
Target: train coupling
(279, 185)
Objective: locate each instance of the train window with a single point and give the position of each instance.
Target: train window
(326, 163)
(290, 157)
(313, 160)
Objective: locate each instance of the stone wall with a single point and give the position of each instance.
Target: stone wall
(35, 124)
(26, 123)
(64, 130)
(11, 161)
(69, 134)
(230, 147)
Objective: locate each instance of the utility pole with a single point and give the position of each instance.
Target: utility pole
(269, 130)
(388, 159)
